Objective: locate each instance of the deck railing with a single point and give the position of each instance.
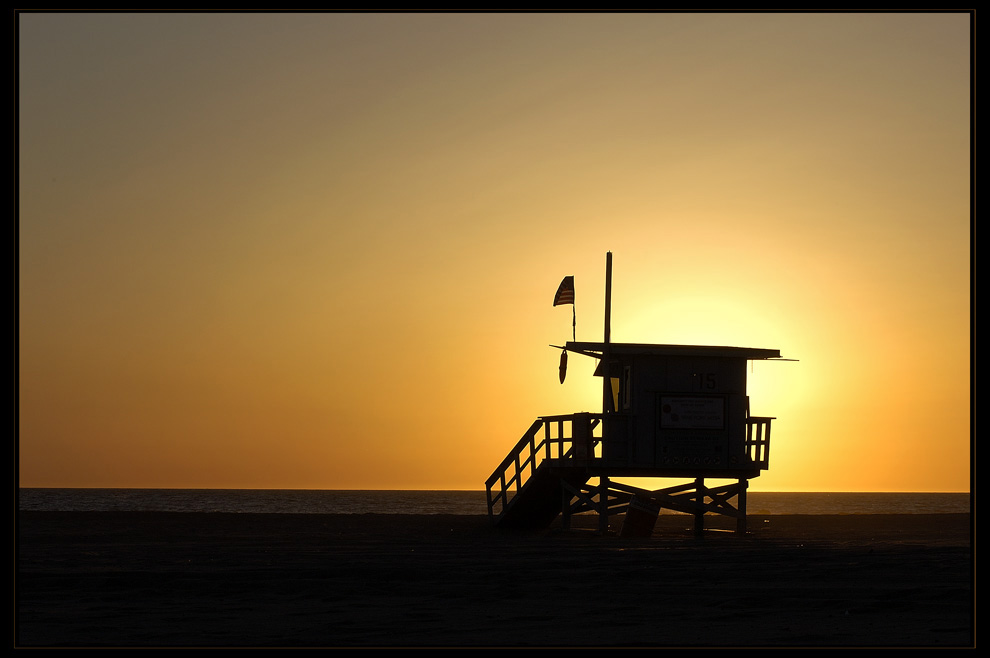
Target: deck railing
(758, 440)
(571, 437)
(577, 438)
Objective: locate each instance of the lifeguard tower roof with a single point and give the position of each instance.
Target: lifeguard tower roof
(597, 349)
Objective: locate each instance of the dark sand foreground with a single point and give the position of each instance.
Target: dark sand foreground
(188, 579)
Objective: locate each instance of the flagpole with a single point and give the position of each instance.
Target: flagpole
(608, 297)
(606, 352)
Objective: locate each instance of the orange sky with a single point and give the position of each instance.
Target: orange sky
(319, 251)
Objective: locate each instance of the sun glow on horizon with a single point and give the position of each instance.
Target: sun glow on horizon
(319, 250)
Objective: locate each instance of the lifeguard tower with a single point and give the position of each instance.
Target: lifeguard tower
(668, 411)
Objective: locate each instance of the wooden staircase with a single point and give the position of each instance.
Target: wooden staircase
(527, 488)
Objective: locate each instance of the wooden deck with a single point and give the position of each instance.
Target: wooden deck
(547, 472)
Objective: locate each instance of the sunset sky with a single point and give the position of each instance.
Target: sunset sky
(319, 250)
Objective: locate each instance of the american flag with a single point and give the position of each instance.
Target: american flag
(565, 292)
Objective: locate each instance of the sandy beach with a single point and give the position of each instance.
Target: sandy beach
(158, 579)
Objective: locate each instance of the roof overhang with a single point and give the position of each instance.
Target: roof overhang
(597, 350)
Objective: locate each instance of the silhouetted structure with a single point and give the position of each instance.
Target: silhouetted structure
(669, 411)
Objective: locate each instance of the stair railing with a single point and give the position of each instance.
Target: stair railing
(550, 439)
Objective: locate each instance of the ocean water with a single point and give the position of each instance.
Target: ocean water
(302, 501)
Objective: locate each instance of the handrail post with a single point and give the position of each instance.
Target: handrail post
(766, 448)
